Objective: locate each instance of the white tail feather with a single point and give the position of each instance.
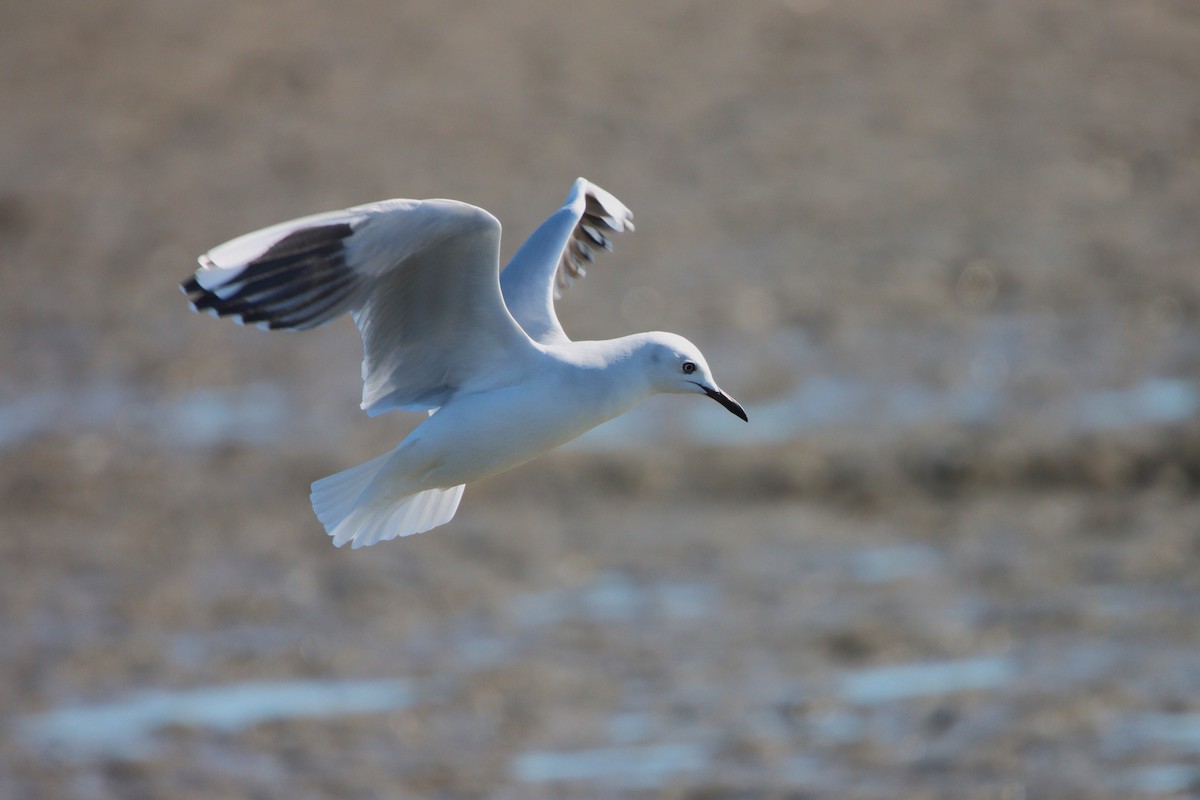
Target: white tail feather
(417, 513)
(334, 497)
(337, 500)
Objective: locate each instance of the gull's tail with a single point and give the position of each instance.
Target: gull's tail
(339, 503)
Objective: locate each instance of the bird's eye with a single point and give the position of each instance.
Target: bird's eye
(689, 367)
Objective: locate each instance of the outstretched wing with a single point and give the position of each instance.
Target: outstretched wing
(419, 276)
(557, 253)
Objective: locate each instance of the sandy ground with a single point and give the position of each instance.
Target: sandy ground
(944, 252)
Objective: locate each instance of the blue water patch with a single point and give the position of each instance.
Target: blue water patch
(27, 416)
(802, 770)
(823, 403)
(886, 564)
(630, 726)
(1162, 779)
(125, 728)
(837, 727)
(253, 414)
(614, 597)
(1160, 401)
(626, 767)
(1180, 732)
(905, 681)
(891, 381)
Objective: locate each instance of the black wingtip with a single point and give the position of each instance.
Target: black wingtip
(300, 282)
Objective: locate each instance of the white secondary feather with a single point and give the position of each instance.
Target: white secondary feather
(443, 329)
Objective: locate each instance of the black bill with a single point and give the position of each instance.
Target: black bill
(733, 405)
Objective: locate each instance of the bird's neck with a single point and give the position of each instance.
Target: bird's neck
(608, 374)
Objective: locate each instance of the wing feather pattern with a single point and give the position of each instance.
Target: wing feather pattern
(558, 253)
(419, 277)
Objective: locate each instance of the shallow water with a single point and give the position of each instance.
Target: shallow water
(791, 645)
(125, 727)
(625, 767)
(1179, 733)
(1062, 376)
(256, 414)
(904, 681)
(642, 750)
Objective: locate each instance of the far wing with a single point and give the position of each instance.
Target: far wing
(556, 253)
(419, 276)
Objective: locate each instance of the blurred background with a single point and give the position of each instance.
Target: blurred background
(944, 252)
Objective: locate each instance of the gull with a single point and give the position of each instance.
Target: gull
(447, 332)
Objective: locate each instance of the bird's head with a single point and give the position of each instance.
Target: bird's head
(678, 367)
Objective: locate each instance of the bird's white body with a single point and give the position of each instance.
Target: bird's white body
(491, 364)
(478, 435)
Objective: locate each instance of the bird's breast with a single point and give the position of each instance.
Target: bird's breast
(478, 435)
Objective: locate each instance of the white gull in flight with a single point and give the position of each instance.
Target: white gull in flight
(444, 330)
